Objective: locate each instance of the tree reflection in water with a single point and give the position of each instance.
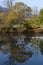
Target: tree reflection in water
(21, 49)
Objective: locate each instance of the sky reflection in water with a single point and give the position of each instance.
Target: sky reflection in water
(30, 52)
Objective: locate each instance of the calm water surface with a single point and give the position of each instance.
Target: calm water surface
(21, 50)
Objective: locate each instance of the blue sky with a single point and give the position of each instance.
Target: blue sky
(31, 3)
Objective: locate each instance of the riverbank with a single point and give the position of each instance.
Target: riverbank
(29, 32)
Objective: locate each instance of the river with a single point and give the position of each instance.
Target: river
(22, 50)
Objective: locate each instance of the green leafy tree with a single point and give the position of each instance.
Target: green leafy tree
(41, 16)
(17, 14)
